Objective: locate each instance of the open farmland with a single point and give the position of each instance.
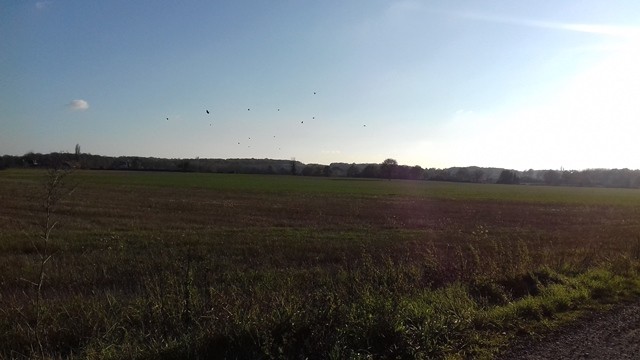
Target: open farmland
(175, 265)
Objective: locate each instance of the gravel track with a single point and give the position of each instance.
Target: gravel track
(613, 334)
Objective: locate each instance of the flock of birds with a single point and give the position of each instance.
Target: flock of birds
(249, 109)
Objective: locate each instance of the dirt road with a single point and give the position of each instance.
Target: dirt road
(611, 335)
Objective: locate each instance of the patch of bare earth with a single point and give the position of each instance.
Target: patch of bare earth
(613, 334)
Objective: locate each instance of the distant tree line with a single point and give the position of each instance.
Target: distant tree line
(508, 177)
(99, 162)
(388, 169)
(619, 178)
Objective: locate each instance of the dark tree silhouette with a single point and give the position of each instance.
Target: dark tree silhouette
(551, 177)
(353, 171)
(508, 177)
(416, 173)
(371, 171)
(388, 168)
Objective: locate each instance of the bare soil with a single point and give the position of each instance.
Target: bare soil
(614, 334)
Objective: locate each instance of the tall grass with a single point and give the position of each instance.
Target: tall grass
(176, 272)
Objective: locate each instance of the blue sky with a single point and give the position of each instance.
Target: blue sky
(526, 84)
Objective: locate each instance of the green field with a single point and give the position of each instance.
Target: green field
(188, 265)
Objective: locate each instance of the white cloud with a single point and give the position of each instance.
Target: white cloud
(41, 5)
(597, 29)
(78, 105)
(632, 32)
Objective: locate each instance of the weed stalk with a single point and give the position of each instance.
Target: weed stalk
(55, 189)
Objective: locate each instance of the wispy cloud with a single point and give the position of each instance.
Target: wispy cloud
(610, 30)
(597, 29)
(42, 5)
(78, 105)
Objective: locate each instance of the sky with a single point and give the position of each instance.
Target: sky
(494, 83)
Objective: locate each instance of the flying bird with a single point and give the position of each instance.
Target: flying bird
(207, 111)
(167, 119)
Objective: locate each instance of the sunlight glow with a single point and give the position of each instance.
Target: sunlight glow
(588, 120)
